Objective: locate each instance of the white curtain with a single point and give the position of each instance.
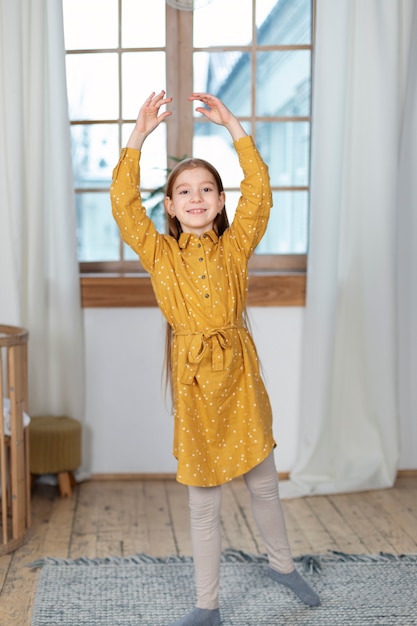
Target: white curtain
(39, 283)
(362, 259)
(407, 264)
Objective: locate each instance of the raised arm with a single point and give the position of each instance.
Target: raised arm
(218, 113)
(136, 228)
(148, 119)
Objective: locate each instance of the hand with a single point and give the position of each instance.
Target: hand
(218, 113)
(149, 118)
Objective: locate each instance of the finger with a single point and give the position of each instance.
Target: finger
(160, 95)
(202, 110)
(160, 100)
(205, 101)
(156, 97)
(198, 95)
(150, 97)
(164, 115)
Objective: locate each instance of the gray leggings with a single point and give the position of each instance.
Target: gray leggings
(205, 504)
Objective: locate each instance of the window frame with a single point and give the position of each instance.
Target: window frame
(275, 279)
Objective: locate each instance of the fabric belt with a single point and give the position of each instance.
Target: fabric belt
(216, 339)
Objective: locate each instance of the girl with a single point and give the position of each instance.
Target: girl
(222, 414)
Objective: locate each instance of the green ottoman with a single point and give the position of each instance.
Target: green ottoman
(55, 448)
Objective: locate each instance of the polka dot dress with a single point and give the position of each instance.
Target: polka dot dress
(222, 413)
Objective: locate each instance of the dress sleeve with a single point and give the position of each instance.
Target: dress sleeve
(252, 213)
(136, 228)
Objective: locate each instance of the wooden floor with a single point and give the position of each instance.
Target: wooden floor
(122, 518)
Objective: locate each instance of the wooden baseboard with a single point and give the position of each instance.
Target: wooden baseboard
(156, 476)
(406, 473)
(131, 477)
(172, 476)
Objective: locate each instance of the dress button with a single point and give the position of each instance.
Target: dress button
(207, 295)
(199, 245)
(201, 259)
(203, 276)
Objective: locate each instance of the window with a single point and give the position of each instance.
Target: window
(259, 63)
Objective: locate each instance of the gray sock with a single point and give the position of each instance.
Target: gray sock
(199, 617)
(297, 584)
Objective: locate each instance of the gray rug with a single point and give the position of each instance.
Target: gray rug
(142, 591)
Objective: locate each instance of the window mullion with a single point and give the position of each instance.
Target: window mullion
(179, 69)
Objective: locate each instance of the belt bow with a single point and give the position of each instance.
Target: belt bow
(217, 339)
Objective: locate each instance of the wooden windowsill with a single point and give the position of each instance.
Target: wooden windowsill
(135, 290)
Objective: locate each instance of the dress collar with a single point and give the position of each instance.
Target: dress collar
(187, 239)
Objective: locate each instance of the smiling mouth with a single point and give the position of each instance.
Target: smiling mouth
(196, 211)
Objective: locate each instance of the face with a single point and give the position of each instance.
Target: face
(195, 200)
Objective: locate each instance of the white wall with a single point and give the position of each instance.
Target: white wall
(128, 427)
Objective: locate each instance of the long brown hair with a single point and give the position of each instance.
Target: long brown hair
(220, 224)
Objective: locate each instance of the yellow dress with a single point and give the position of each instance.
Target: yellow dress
(222, 413)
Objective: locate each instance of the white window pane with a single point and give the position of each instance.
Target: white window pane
(223, 23)
(287, 231)
(285, 146)
(92, 86)
(232, 199)
(288, 22)
(153, 163)
(283, 83)
(143, 23)
(97, 233)
(94, 152)
(90, 24)
(263, 9)
(226, 75)
(213, 144)
(142, 73)
(129, 254)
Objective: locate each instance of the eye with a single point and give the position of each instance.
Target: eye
(207, 189)
(183, 192)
